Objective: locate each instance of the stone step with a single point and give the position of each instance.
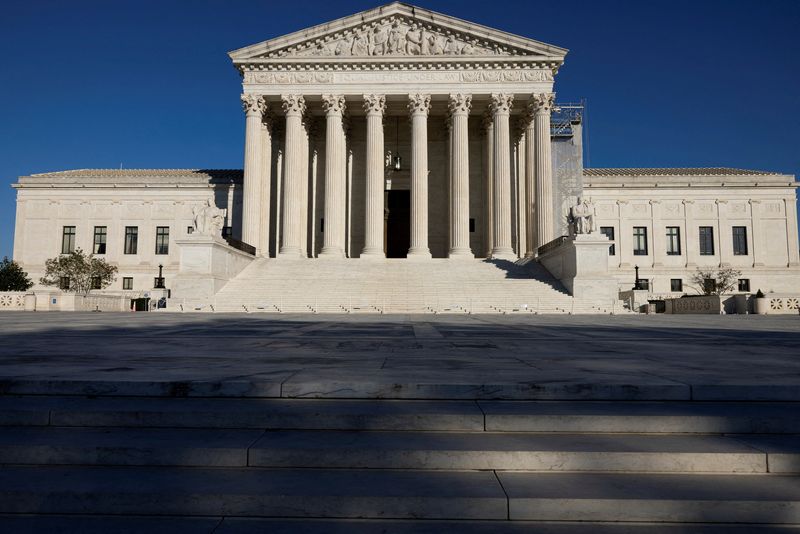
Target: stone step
(252, 492)
(399, 450)
(83, 524)
(392, 494)
(420, 415)
(521, 451)
(242, 413)
(643, 417)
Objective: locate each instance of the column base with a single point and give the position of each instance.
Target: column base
(373, 254)
(461, 254)
(291, 253)
(333, 254)
(419, 254)
(506, 254)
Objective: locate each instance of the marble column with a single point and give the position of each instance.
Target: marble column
(266, 185)
(542, 105)
(292, 246)
(488, 173)
(530, 187)
(459, 106)
(305, 197)
(254, 108)
(418, 106)
(335, 178)
(501, 109)
(375, 106)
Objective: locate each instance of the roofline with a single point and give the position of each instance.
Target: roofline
(392, 8)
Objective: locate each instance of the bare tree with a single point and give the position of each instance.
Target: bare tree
(78, 272)
(711, 281)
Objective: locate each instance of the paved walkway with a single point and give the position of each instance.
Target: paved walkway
(448, 357)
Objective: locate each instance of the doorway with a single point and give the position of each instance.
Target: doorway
(398, 223)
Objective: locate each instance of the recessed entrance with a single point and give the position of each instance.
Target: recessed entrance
(398, 223)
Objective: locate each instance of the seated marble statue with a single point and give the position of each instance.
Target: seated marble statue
(582, 217)
(208, 219)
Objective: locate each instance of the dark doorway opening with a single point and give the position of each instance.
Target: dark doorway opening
(398, 223)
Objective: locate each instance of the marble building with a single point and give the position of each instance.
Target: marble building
(403, 133)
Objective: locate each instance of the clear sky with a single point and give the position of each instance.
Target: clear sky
(148, 84)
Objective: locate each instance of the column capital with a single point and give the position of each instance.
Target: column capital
(501, 103)
(374, 104)
(254, 104)
(419, 104)
(459, 104)
(293, 104)
(542, 103)
(333, 105)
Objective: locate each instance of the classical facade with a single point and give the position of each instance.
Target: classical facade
(403, 133)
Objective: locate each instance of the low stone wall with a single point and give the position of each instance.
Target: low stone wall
(777, 304)
(12, 300)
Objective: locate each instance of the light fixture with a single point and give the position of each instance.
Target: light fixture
(397, 162)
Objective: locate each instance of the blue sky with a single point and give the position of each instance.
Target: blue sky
(147, 83)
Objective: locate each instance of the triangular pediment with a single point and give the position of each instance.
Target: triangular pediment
(397, 30)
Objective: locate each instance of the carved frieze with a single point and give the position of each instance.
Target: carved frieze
(359, 76)
(395, 36)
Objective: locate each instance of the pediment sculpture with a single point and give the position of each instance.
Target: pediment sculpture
(394, 36)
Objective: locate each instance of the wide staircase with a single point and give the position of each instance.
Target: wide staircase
(105, 464)
(398, 286)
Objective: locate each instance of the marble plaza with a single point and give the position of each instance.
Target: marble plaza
(400, 161)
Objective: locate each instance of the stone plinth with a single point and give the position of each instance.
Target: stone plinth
(581, 264)
(206, 264)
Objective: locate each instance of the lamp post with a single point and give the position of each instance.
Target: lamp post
(636, 282)
(160, 279)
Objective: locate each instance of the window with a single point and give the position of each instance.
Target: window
(706, 240)
(131, 239)
(676, 284)
(190, 230)
(63, 282)
(608, 231)
(740, 241)
(673, 241)
(96, 282)
(227, 231)
(744, 285)
(471, 225)
(640, 241)
(100, 239)
(158, 283)
(68, 240)
(127, 282)
(709, 285)
(162, 240)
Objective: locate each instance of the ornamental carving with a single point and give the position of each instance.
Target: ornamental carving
(460, 103)
(254, 104)
(293, 104)
(419, 103)
(375, 103)
(501, 103)
(359, 76)
(542, 102)
(333, 104)
(395, 36)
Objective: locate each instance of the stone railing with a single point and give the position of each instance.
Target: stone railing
(552, 245)
(783, 304)
(12, 300)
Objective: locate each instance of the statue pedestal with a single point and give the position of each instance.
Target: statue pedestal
(581, 264)
(207, 263)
